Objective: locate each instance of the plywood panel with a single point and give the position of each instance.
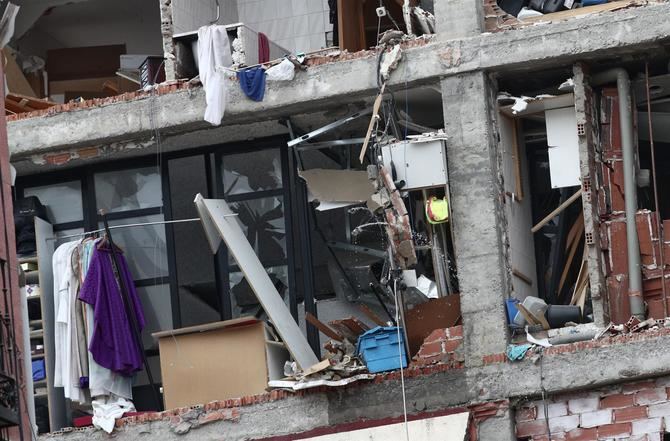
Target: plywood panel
(213, 365)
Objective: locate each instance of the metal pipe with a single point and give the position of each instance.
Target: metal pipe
(620, 76)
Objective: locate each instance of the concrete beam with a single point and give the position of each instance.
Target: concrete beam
(329, 85)
(592, 368)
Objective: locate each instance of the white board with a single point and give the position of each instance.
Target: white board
(444, 428)
(563, 144)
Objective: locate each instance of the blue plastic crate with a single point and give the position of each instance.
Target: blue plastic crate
(379, 348)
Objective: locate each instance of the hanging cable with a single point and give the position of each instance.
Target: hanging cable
(400, 357)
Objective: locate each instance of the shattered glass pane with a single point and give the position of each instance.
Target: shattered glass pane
(63, 201)
(144, 248)
(263, 223)
(250, 172)
(125, 190)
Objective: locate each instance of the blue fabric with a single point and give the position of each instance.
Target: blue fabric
(39, 371)
(252, 82)
(516, 353)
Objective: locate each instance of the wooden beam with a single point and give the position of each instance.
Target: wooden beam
(321, 326)
(557, 211)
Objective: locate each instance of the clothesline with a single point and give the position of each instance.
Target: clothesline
(142, 224)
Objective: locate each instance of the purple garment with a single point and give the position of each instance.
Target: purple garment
(112, 343)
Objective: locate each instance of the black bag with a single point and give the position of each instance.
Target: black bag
(547, 6)
(25, 212)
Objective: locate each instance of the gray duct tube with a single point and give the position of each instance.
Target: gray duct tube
(620, 76)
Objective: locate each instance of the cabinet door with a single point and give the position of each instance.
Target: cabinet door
(44, 236)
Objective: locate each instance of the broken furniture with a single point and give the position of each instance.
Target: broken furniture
(219, 222)
(223, 360)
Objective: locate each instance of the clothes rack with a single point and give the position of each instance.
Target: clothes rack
(142, 224)
(130, 309)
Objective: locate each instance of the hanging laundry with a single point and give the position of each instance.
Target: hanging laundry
(252, 82)
(263, 48)
(66, 286)
(112, 343)
(101, 381)
(213, 56)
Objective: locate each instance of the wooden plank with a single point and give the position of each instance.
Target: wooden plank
(579, 12)
(573, 231)
(351, 25)
(375, 112)
(521, 276)
(321, 326)
(557, 211)
(371, 315)
(571, 255)
(35, 103)
(215, 214)
(516, 157)
(242, 321)
(530, 318)
(16, 81)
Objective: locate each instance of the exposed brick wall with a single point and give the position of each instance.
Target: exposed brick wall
(442, 346)
(632, 412)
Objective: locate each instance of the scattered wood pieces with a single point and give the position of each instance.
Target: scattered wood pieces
(325, 329)
(557, 211)
(375, 113)
(576, 240)
(521, 276)
(17, 103)
(371, 315)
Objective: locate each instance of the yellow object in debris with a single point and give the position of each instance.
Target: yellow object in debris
(437, 210)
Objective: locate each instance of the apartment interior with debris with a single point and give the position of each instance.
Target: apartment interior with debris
(330, 219)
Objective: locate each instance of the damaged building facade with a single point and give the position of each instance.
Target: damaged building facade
(364, 220)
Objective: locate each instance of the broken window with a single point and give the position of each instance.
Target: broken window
(542, 202)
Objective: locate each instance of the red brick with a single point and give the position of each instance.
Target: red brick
(531, 428)
(651, 396)
(554, 437)
(617, 401)
(430, 349)
(638, 386)
(455, 331)
(630, 414)
(526, 413)
(582, 434)
(615, 430)
(436, 335)
(451, 345)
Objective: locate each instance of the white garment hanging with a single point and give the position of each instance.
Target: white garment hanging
(213, 55)
(65, 281)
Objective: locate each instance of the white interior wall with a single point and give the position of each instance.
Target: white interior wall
(519, 214)
(189, 15)
(298, 25)
(135, 23)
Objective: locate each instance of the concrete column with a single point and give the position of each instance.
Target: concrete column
(459, 18)
(477, 219)
(167, 30)
(499, 428)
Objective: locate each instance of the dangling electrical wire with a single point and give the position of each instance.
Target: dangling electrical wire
(400, 356)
